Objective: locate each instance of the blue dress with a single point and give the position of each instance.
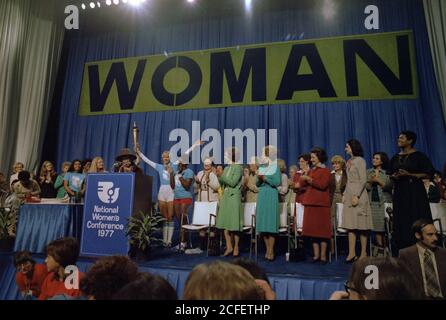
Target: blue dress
(267, 209)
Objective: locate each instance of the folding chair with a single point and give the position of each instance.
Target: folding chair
(204, 217)
(337, 231)
(295, 222)
(249, 213)
(438, 211)
(388, 209)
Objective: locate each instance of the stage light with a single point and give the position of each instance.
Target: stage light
(98, 4)
(248, 6)
(190, 1)
(116, 2)
(83, 6)
(108, 2)
(92, 5)
(329, 9)
(125, 1)
(134, 3)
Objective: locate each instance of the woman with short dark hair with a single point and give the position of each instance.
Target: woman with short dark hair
(147, 287)
(410, 202)
(356, 214)
(29, 276)
(317, 217)
(61, 253)
(379, 188)
(107, 276)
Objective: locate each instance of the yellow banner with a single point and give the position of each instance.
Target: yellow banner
(362, 67)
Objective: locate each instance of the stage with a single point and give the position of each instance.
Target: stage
(290, 280)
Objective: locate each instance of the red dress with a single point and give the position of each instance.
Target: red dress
(317, 216)
(53, 287)
(35, 283)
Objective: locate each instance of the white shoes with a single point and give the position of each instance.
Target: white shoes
(194, 251)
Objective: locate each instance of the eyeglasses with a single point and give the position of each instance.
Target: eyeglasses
(347, 287)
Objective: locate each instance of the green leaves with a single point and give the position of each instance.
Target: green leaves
(6, 222)
(141, 230)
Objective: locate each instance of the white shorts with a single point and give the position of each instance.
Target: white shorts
(165, 194)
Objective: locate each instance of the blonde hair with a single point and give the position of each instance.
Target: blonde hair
(17, 164)
(338, 159)
(221, 281)
(272, 152)
(44, 172)
(94, 165)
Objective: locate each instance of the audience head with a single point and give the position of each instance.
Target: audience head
(147, 287)
(86, 164)
(97, 165)
(380, 159)
(318, 155)
(219, 170)
(394, 280)
(208, 164)
(221, 281)
(338, 163)
(24, 262)
(425, 233)
(292, 171)
(47, 167)
(252, 267)
(65, 167)
(437, 177)
(304, 161)
(61, 253)
(282, 165)
(353, 148)
(76, 166)
(107, 276)
(24, 176)
(18, 166)
(406, 139)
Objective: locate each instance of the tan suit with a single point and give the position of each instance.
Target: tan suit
(411, 258)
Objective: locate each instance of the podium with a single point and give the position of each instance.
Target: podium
(110, 200)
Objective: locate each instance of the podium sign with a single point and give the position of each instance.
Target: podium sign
(108, 205)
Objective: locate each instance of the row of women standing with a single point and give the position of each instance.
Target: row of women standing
(363, 194)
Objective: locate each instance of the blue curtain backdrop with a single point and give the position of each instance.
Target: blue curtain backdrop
(301, 126)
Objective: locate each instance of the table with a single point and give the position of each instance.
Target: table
(40, 224)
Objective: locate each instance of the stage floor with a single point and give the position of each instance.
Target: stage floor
(290, 280)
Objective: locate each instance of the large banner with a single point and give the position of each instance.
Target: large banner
(361, 67)
(108, 205)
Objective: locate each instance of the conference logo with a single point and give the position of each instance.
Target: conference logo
(106, 192)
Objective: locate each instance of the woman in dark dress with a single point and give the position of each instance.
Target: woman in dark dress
(47, 179)
(410, 203)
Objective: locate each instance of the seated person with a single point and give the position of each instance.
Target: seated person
(107, 276)
(29, 276)
(26, 187)
(426, 260)
(18, 166)
(147, 287)
(393, 282)
(61, 253)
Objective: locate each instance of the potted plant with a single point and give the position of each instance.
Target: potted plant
(7, 225)
(141, 231)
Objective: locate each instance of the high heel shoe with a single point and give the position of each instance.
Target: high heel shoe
(227, 253)
(352, 260)
(316, 260)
